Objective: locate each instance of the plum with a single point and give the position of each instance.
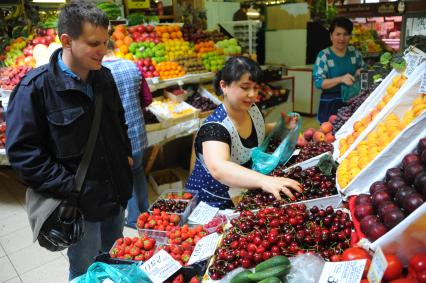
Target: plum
(363, 210)
(363, 199)
(393, 173)
(379, 197)
(402, 193)
(378, 186)
(410, 158)
(412, 202)
(411, 171)
(375, 231)
(394, 184)
(393, 217)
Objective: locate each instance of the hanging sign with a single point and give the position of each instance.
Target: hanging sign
(138, 4)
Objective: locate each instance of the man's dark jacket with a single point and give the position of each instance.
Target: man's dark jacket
(48, 125)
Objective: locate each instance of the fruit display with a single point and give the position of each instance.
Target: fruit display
(10, 77)
(213, 61)
(185, 235)
(136, 248)
(314, 183)
(216, 224)
(157, 220)
(176, 48)
(180, 253)
(192, 34)
(2, 133)
(170, 205)
(310, 150)
(140, 33)
(192, 64)
(324, 133)
(390, 201)
(177, 195)
(376, 141)
(168, 32)
(204, 47)
(149, 117)
(360, 125)
(290, 230)
(230, 47)
(169, 70)
(200, 102)
(167, 109)
(146, 68)
(148, 50)
(345, 112)
(366, 40)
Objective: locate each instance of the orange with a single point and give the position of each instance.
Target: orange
(120, 28)
(118, 35)
(127, 40)
(124, 49)
(169, 29)
(118, 43)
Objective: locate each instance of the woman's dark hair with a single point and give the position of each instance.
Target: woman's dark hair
(234, 69)
(75, 13)
(341, 22)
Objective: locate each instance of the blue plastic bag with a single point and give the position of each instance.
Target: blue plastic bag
(118, 273)
(265, 162)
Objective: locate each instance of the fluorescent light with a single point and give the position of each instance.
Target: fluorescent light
(49, 1)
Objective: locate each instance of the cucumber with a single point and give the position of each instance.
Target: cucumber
(272, 262)
(271, 280)
(276, 271)
(242, 277)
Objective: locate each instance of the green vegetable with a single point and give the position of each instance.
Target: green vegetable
(276, 271)
(112, 10)
(327, 165)
(242, 277)
(135, 19)
(385, 58)
(271, 280)
(278, 260)
(398, 63)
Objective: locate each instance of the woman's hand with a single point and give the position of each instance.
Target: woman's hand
(290, 121)
(275, 185)
(347, 79)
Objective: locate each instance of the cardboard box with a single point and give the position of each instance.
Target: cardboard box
(164, 180)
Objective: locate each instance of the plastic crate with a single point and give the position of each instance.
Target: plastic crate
(184, 215)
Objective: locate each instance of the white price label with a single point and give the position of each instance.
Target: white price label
(180, 83)
(204, 249)
(343, 272)
(422, 88)
(155, 80)
(296, 152)
(377, 267)
(413, 60)
(160, 267)
(203, 213)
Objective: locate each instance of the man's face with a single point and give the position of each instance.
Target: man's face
(90, 47)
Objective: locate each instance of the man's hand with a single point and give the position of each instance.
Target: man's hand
(130, 161)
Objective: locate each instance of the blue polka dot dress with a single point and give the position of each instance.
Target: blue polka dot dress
(209, 189)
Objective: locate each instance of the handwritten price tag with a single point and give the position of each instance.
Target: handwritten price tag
(343, 272)
(180, 83)
(413, 60)
(160, 267)
(204, 249)
(203, 213)
(377, 267)
(422, 88)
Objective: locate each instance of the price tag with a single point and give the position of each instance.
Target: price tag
(180, 83)
(377, 267)
(203, 213)
(422, 88)
(296, 152)
(413, 60)
(343, 272)
(204, 249)
(155, 80)
(160, 267)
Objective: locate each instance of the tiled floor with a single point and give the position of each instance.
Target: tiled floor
(21, 260)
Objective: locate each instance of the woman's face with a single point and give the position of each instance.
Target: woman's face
(340, 38)
(241, 94)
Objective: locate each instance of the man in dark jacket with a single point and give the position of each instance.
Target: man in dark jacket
(48, 124)
(241, 14)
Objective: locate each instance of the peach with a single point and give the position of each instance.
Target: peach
(319, 136)
(329, 138)
(308, 134)
(332, 118)
(326, 127)
(301, 141)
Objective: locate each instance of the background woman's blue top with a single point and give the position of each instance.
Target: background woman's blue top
(328, 65)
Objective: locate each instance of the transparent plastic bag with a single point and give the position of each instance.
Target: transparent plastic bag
(264, 162)
(305, 268)
(118, 273)
(350, 91)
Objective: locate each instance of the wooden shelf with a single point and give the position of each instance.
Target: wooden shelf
(166, 17)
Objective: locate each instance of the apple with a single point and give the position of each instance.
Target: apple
(148, 75)
(149, 28)
(151, 68)
(140, 28)
(51, 32)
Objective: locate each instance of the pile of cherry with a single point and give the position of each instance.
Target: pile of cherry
(393, 199)
(288, 231)
(170, 205)
(308, 151)
(314, 184)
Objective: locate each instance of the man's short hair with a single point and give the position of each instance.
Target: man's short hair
(73, 15)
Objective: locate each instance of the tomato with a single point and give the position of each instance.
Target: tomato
(394, 269)
(357, 253)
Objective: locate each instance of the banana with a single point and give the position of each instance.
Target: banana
(16, 12)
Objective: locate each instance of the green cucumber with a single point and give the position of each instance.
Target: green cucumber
(271, 280)
(272, 262)
(242, 277)
(276, 271)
